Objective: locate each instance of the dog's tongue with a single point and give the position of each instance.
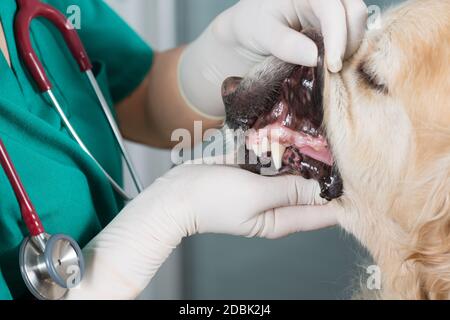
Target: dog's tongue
(277, 135)
(323, 155)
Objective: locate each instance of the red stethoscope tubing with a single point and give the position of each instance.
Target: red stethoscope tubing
(30, 9)
(29, 214)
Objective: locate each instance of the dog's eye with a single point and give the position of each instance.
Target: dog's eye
(371, 79)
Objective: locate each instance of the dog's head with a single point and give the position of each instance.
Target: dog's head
(386, 120)
(387, 113)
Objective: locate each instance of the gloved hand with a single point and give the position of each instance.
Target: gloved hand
(193, 199)
(248, 32)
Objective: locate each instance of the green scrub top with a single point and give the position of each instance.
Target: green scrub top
(70, 193)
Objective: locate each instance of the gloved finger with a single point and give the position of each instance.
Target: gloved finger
(213, 160)
(291, 46)
(357, 15)
(333, 21)
(285, 221)
(286, 191)
(304, 192)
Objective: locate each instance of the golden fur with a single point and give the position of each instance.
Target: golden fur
(393, 148)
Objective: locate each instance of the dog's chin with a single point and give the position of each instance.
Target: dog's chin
(287, 136)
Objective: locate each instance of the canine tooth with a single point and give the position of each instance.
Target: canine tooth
(265, 146)
(277, 154)
(257, 150)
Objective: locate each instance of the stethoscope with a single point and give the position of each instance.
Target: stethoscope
(52, 265)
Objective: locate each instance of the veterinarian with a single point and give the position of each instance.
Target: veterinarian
(153, 94)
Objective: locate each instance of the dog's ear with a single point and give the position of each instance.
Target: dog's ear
(431, 236)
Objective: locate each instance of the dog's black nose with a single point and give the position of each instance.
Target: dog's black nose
(230, 86)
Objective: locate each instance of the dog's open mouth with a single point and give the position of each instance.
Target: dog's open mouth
(284, 127)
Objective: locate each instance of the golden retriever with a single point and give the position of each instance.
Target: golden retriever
(386, 120)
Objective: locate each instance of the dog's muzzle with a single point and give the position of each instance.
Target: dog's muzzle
(284, 124)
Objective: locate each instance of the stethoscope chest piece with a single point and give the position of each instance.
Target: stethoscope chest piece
(51, 265)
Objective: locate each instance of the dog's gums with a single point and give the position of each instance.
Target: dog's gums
(287, 126)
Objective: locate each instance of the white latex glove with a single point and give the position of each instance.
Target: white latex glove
(248, 32)
(193, 199)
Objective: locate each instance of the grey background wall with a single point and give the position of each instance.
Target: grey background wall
(194, 15)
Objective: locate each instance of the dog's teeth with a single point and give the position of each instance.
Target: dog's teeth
(277, 154)
(265, 146)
